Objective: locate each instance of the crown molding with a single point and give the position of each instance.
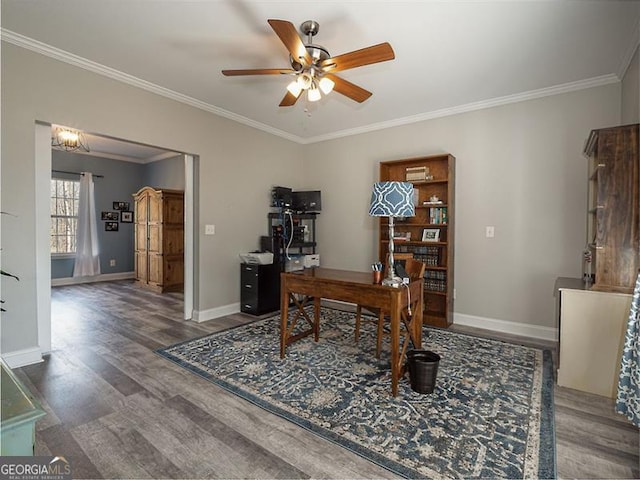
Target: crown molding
(470, 107)
(66, 57)
(127, 158)
(631, 49)
(77, 61)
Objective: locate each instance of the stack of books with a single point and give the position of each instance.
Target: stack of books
(402, 236)
(435, 281)
(417, 174)
(438, 216)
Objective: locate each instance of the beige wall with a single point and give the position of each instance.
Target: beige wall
(237, 167)
(519, 168)
(631, 91)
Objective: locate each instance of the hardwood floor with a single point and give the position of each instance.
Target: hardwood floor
(117, 410)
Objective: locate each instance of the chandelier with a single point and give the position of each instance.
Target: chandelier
(69, 140)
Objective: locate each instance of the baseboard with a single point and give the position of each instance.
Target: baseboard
(20, 358)
(217, 312)
(105, 277)
(503, 326)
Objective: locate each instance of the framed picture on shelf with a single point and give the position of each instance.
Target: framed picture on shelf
(111, 226)
(121, 205)
(126, 217)
(431, 235)
(113, 216)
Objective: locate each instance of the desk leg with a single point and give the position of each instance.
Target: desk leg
(284, 316)
(395, 346)
(316, 318)
(418, 318)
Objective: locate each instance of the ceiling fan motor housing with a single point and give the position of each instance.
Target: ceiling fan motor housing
(317, 52)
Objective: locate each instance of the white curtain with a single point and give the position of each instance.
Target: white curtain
(87, 255)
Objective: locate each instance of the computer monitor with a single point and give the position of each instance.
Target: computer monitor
(306, 201)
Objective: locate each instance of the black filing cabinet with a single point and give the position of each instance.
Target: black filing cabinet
(259, 288)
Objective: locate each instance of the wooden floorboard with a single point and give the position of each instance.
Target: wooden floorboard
(116, 409)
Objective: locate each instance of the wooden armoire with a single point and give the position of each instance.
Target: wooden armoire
(159, 239)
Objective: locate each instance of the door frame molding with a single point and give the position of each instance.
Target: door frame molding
(43, 165)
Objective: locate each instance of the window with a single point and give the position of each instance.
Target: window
(64, 215)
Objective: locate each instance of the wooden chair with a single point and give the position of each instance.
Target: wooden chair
(415, 270)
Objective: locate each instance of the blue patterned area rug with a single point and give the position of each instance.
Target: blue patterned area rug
(490, 415)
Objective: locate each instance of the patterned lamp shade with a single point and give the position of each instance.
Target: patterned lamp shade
(392, 199)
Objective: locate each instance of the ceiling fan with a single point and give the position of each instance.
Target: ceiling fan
(313, 67)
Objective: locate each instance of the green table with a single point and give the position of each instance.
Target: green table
(19, 414)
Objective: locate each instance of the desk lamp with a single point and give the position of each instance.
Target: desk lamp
(392, 199)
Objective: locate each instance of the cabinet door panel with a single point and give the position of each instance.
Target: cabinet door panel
(173, 211)
(173, 271)
(141, 266)
(141, 237)
(155, 208)
(173, 239)
(155, 269)
(141, 209)
(155, 239)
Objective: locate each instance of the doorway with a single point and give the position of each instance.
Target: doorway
(43, 219)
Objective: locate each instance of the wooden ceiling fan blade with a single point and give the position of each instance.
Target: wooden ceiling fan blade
(289, 99)
(365, 56)
(258, 71)
(348, 89)
(289, 36)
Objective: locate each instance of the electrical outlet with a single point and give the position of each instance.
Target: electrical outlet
(490, 231)
(209, 229)
(112, 262)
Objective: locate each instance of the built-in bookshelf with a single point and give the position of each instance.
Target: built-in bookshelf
(429, 235)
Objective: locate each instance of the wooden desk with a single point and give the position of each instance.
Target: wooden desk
(353, 287)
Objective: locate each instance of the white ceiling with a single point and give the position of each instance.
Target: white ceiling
(450, 56)
(107, 147)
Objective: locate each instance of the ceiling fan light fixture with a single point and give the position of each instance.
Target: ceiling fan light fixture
(314, 94)
(305, 80)
(294, 88)
(326, 85)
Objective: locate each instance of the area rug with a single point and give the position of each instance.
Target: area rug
(490, 415)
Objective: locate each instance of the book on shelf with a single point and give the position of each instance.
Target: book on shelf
(416, 197)
(438, 215)
(402, 237)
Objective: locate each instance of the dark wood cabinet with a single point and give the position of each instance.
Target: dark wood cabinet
(159, 239)
(259, 288)
(613, 235)
(437, 216)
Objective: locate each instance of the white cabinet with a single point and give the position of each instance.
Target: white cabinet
(592, 326)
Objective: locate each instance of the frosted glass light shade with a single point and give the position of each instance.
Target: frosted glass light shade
(326, 85)
(294, 88)
(314, 94)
